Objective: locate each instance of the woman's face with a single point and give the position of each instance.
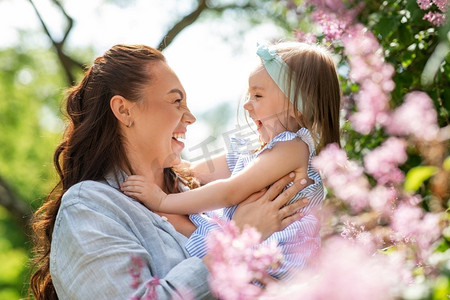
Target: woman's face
(160, 118)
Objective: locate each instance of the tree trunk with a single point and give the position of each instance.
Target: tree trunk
(19, 208)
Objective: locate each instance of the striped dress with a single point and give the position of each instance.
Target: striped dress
(299, 241)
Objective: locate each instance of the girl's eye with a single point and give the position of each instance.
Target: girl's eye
(258, 96)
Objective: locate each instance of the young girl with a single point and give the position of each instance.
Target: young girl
(294, 100)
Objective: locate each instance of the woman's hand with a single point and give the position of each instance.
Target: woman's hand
(264, 210)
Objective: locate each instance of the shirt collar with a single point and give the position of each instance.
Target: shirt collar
(115, 177)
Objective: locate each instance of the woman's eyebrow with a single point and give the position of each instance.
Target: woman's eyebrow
(177, 91)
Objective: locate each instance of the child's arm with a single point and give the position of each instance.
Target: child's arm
(210, 170)
(268, 167)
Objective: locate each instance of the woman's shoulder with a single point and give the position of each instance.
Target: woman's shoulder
(86, 189)
(98, 196)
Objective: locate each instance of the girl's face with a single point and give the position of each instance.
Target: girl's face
(267, 106)
(161, 118)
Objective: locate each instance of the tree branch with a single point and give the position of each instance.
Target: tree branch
(183, 23)
(18, 207)
(68, 63)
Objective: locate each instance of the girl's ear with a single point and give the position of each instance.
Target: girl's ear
(121, 109)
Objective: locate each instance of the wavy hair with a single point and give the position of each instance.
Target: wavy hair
(92, 144)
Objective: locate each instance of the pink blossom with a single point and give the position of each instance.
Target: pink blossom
(368, 69)
(308, 38)
(382, 162)
(442, 5)
(346, 178)
(330, 5)
(412, 224)
(238, 259)
(135, 269)
(424, 4)
(416, 117)
(341, 264)
(436, 18)
(332, 26)
(382, 199)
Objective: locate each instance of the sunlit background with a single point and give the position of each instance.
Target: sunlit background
(388, 186)
(212, 57)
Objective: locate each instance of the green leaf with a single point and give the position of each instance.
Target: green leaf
(386, 26)
(416, 176)
(441, 288)
(446, 164)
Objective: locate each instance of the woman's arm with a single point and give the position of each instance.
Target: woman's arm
(92, 249)
(267, 168)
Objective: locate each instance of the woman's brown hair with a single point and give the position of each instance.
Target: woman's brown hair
(92, 143)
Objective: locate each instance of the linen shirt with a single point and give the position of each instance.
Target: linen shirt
(96, 232)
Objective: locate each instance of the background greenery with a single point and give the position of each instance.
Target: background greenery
(33, 79)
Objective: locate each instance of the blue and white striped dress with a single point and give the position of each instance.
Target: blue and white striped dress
(299, 241)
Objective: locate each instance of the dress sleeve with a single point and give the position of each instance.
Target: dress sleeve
(91, 255)
(300, 243)
(196, 244)
(234, 152)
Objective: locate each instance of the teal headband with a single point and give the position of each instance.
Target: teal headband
(278, 71)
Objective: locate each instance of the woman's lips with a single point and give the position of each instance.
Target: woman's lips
(176, 138)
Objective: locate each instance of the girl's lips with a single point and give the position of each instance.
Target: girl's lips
(258, 124)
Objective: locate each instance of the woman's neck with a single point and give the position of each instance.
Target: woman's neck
(144, 166)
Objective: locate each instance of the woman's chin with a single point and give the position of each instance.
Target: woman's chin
(175, 159)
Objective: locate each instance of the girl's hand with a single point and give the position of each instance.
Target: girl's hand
(147, 193)
(264, 210)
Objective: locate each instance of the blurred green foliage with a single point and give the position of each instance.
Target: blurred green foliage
(31, 88)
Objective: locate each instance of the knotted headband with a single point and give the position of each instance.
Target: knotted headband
(278, 71)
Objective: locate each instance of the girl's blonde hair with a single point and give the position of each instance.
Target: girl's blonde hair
(313, 73)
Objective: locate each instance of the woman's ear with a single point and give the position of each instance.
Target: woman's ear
(121, 109)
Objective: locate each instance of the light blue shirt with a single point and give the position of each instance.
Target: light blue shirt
(96, 232)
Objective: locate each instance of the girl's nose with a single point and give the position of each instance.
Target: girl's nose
(248, 105)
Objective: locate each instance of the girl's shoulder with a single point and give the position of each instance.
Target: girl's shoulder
(303, 134)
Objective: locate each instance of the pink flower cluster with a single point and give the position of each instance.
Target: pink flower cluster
(239, 260)
(347, 179)
(344, 177)
(416, 117)
(344, 271)
(413, 225)
(307, 38)
(333, 17)
(135, 269)
(435, 17)
(382, 162)
(369, 70)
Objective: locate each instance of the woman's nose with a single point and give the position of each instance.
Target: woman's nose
(188, 117)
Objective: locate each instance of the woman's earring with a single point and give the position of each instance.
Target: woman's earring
(131, 123)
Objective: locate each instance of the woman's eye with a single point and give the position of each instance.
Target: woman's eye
(178, 101)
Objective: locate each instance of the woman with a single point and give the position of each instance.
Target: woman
(124, 118)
